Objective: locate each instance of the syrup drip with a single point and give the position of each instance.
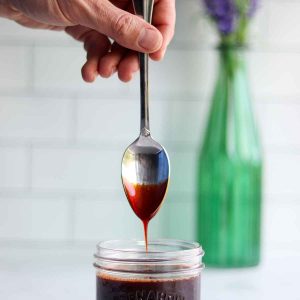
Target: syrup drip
(145, 200)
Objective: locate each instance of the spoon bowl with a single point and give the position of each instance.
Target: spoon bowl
(145, 162)
(145, 176)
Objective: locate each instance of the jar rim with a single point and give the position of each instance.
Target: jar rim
(165, 258)
(161, 249)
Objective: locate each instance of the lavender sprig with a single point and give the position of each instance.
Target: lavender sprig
(231, 17)
(223, 13)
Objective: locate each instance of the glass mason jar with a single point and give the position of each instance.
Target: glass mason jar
(170, 270)
(230, 170)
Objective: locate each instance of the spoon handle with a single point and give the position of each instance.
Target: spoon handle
(144, 8)
(144, 86)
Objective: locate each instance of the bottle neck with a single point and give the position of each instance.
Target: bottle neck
(232, 60)
(231, 127)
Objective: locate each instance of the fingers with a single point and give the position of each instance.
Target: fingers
(126, 29)
(109, 63)
(132, 32)
(97, 45)
(102, 58)
(119, 60)
(129, 31)
(128, 66)
(164, 18)
(168, 33)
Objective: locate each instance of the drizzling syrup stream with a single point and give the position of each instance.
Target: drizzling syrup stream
(145, 200)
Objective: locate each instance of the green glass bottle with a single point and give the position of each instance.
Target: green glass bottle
(230, 171)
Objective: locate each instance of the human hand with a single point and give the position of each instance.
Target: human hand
(94, 22)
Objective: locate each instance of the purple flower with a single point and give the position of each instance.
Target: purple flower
(253, 5)
(226, 13)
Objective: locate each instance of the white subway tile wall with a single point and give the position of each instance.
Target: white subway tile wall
(61, 140)
(15, 66)
(31, 119)
(14, 167)
(34, 218)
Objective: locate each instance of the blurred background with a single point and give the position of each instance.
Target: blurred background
(61, 143)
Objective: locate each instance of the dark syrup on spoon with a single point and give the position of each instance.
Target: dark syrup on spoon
(145, 200)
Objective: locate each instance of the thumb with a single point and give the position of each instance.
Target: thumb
(128, 30)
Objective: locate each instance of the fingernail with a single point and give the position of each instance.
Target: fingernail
(148, 39)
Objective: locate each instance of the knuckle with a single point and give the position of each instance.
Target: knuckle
(123, 25)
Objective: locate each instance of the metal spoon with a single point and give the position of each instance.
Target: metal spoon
(145, 162)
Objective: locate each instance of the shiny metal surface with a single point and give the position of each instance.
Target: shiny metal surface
(144, 8)
(145, 161)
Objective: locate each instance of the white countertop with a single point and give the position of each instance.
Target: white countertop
(42, 273)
